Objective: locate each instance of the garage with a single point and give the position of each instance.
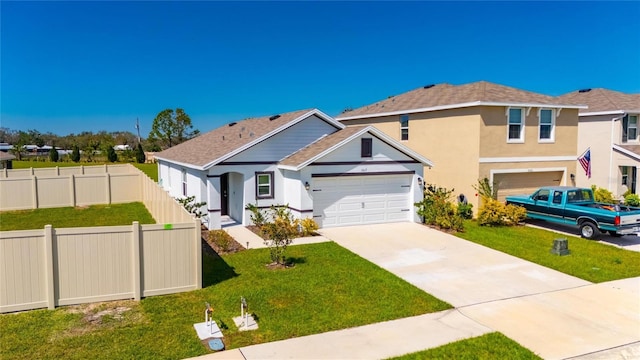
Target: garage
(525, 182)
(358, 200)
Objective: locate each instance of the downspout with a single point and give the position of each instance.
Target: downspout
(611, 153)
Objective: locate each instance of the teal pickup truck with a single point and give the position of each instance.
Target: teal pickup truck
(576, 206)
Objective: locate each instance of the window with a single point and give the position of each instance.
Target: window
(625, 175)
(542, 195)
(404, 127)
(516, 125)
(557, 197)
(366, 147)
(546, 131)
(630, 128)
(184, 182)
(264, 185)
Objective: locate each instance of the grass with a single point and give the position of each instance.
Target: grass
(486, 347)
(150, 169)
(588, 260)
(329, 288)
(94, 215)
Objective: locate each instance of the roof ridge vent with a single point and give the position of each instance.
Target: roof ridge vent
(428, 86)
(273, 117)
(232, 123)
(584, 90)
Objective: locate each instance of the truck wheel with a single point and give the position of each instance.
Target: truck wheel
(588, 230)
(614, 234)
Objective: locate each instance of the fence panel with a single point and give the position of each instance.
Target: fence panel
(17, 194)
(54, 191)
(94, 264)
(169, 257)
(125, 187)
(91, 189)
(23, 270)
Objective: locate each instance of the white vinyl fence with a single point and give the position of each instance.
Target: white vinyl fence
(51, 267)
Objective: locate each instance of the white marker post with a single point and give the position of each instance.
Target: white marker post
(244, 314)
(208, 317)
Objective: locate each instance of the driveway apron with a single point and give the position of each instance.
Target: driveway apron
(553, 314)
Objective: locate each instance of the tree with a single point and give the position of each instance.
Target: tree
(172, 128)
(53, 154)
(279, 233)
(75, 154)
(19, 145)
(111, 154)
(140, 157)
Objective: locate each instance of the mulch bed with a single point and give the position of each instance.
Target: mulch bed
(211, 248)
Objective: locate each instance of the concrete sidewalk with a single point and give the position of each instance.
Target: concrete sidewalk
(375, 341)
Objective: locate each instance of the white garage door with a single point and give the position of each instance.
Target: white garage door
(355, 200)
(525, 182)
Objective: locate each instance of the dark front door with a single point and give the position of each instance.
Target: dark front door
(224, 196)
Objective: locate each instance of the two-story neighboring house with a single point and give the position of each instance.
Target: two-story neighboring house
(609, 128)
(518, 139)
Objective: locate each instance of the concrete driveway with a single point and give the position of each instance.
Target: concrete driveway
(553, 314)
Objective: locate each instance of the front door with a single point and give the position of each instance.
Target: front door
(224, 196)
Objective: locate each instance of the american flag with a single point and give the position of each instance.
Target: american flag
(585, 161)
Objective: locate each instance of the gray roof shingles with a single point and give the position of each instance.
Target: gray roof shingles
(602, 100)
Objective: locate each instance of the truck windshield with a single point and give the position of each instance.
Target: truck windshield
(579, 195)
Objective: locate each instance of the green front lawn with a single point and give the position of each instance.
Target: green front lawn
(94, 215)
(589, 260)
(486, 347)
(329, 288)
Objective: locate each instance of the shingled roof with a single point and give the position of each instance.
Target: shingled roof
(209, 148)
(603, 100)
(442, 96)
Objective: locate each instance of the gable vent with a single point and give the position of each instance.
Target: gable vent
(274, 117)
(231, 124)
(428, 86)
(584, 90)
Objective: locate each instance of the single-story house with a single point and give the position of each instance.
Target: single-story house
(305, 160)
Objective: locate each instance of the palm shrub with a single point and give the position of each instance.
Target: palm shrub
(436, 209)
(192, 207)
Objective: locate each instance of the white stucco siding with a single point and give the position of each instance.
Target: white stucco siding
(163, 175)
(286, 142)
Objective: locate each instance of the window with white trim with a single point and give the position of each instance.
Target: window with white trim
(516, 125)
(264, 185)
(184, 182)
(546, 127)
(404, 127)
(630, 128)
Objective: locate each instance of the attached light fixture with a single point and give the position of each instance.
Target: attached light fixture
(573, 177)
(419, 181)
(307, 186)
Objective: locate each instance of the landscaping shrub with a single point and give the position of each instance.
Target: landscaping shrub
(632, 200)
(602, 195)
(140, 157)
(279, 233)
(192, 207)
(111, 154)
(437, 210)
(465, 210)
(496, 213)
(75, 154)
(221, 238)
(309, 226)
(486, 190)
(257, 216)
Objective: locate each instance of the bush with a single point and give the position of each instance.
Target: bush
(279, 233)
(309, 226)
(53, 155)
(495, 213)
(111, 154)
(436, 209)
(632, 200)
(140, 157)
(221, 238)
(193, 207)
(602, 195)
(75, 154)
(464, 210)
(257, 216)
(486, 190)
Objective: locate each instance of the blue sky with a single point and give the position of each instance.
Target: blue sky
(67, 67)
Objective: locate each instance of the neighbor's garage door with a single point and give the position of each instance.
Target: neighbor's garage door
(525, 183)
(355, 200)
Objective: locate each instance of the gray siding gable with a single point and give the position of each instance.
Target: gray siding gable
(286, 142)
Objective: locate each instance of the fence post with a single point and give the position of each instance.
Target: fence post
(72, 191)
(137, 263)
(48, 266)
(35, 191)
(198, 264)
(108, 187)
